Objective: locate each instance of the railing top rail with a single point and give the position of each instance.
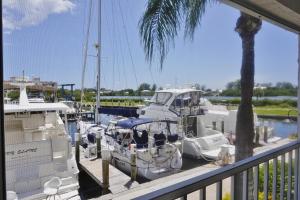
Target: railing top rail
(188, 186)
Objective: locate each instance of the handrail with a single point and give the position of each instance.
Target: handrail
(188, 186)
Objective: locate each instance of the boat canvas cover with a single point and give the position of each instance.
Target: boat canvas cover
(12, 108)
(132, 122)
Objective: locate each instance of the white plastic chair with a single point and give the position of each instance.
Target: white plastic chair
(11, 195)
(51, 187)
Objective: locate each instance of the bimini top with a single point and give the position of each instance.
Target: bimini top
(132, 122)
(34, 107)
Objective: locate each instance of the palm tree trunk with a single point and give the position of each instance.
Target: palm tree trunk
(245, 123)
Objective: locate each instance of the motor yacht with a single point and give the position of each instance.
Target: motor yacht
(38, 149)
(206, 127)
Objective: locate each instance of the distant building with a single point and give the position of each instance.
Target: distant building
(36, 84)
(260, 87)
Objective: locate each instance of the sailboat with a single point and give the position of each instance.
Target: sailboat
(123, 135)
(38, 148)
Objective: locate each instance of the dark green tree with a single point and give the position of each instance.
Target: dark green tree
(154, 87)
(144, 86)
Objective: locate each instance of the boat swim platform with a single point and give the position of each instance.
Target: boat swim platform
(182, 176)
(118, 180)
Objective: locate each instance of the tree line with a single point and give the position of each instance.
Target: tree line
(261, 89)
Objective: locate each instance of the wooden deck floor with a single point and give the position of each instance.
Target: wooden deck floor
(118, 181)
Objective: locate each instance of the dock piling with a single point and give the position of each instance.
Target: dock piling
(133, 162)
(98, 140)
(77, 143)
(257, 135)
(214, 124)
(223, 127)
(105, 170)
(266, 134)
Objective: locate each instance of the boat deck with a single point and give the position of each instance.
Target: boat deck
(118, 180)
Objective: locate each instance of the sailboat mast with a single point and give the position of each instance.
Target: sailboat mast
(97, 117)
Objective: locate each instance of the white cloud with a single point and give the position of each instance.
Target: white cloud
(24, 13)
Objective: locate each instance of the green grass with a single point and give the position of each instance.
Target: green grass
(266, 110)
(271, 110)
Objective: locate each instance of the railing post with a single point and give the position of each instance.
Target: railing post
(256, 182)
(282, 176)
(202, 194)
(274, 184)
(219, 190)
(266, 180)
(232, 192)
(245, 185)
(77, 145)
(98, 140)
(105, 170)
(133, 162)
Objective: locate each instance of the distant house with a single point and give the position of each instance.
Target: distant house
(260, 88)
(146, 92)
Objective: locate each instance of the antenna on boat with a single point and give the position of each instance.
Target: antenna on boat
(98, 47)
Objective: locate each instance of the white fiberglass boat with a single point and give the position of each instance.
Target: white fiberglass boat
(157, 150)
(71, 109)
(196, 115)
(37, 148)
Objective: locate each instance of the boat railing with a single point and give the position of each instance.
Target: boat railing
(273, 174)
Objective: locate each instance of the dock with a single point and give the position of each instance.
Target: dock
(118, 180)
(183, 176)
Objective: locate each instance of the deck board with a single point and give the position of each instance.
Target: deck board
(119, 181)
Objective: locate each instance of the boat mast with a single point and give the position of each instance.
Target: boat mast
(85, 54)
(98, 46)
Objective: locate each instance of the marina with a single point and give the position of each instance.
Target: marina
(94, 120)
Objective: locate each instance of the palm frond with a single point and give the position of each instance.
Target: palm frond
(193, 10)
(159, 26)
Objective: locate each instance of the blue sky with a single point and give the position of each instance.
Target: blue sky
(45, 38)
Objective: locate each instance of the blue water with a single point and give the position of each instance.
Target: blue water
(73, 127)
(282, 128)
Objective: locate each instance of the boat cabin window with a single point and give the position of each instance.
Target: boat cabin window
(161, 98)
(186, 100)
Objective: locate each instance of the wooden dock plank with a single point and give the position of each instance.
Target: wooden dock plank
(118, 181)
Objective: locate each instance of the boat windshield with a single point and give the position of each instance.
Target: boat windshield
(186, 101)
(161, 98)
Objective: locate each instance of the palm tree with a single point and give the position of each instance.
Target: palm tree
(160, 25)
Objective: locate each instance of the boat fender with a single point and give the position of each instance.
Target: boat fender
(175, 162)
